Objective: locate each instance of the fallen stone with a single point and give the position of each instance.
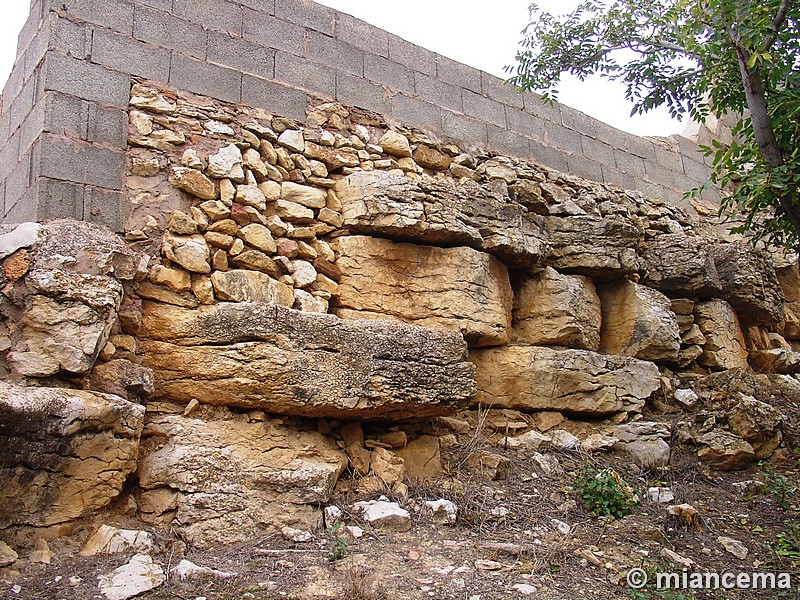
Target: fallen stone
(122, 378)
(564, 440)
(757, 423)
(597, 442)
(191, 252)
(732, 546)
(674, 557)
(686, 398)
(422, 458)
(547, 464)
(387, 466)
(111, 540)
(41, 553)
(444, 512)
(188, 571)
(660, 494)
(305, 195)
(493, 466)
(7, 555)
(725, 451)
(384, 516)
(458, 289)
(296, 535)
(136, 577)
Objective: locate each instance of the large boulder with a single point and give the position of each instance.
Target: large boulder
(459, 289)
(638, 321)
(65, 453)
(551, 309)
(440, 211)
(307, 364)
(758, 423)
(749, 283)
(678, 264)
(533, 378)
(789, 278)
(221, 477)
(725, 346)
(725, 451)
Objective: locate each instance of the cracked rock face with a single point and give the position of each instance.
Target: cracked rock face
(66, 452)
(222, 477)
(306, 364)
(571, 381)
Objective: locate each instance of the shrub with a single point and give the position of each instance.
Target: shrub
(604, 492)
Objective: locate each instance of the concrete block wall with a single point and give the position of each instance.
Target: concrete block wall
(63, 117)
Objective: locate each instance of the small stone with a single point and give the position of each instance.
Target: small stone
(259, 237)
(307, 196)
(291, 211)
(256, 261)
(41, 553)
(138, 576)
(387, 466)
(149, 99)
(227, 163)
(203, 290)
(444, 512)
(564, 439)
(732, 546)
(190, 252)
(252, 160)
(24, 235)
(524, 589)
(180, 223)
(186, 570)
(177, 280)
(430, 158)
(395, 143)
(271, 190)
(141, 122)
(384, 516)
(227, 191)
(218, 240)
(533, 440)
(17, 265)
(304, 273)
(293, 139)
(660, 494)
(111, 540)
(686, 398)
(216, 210)
(332, 515)
(218, 128)
(494, 466)
(296, 535)
(326, 215)
(192, 160)
(250, 195)
(250, 286)
(307, 303)
(7, 555)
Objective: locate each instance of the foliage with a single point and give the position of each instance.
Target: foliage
(787, 543)
(338, 544)
(696, 58)
(604, 492)
(650, 591)
(780, 487)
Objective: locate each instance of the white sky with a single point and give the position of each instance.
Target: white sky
(481, 34)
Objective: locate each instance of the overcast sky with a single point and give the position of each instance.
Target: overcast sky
(484, 35)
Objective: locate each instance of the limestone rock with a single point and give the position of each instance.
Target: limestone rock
(637, 321)
(251, 195)
(551, 309)
(235, 475)
(725, 346)
(384, 516)
(431, 158)
(318, 365)
(789, 278)
(192, 181)
(122, 378)
(66, 452)
(734, 547)
(7, 555)
(186, 570)
(111, 540)
(450, 288)
(572, 381)
(191, 252)
(395, 143)
(239, 285)
(725, 451)
(259, 237)
(442, 212)
(136, 577)
(23, 235)
(493, 466)
(388, 466)
(227, 164)
(444, 512)
(422, 458)
(757, 423)
(645, 442)
(305, 195)
(681, 264)
(749, 283)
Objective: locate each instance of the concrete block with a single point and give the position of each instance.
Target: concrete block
(578, 121)
(484, 108)
(264, 6)
(341, 56)
(29, 130)
(104, 206)
(497, 89)
(458, 73)
(524, 123)
(558, 136)
(382, 70)
(270, 32)
(30, 29)
(417, 113)
(655, 190)
(13, 87)
(598, 151)
(10, 155)
(464, 129)
(660, 174)
(241, 55)
(694, 169)
(69, 159)
(73, 39)
(71, 117)
(550, 157)
(274, 97)
(221, 15)
(537, 106)
(630, 163)
(359, 33)
(585, 167)
(22, 104)
(122, 53)
(638, 146)
(614, 176)
(306, 14)
(34, 52)
(411, 55)
(169, 31)
(507, 142)
(438, 92)
(18, 183)
(59, 200)
(305, 74)
(362, 93)
(114, 14)
(23, 210)
(201, 77)
(85, 80)
(159, 4)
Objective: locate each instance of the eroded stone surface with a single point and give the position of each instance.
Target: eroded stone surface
(680, 264)
(725, 346)
(749, 283)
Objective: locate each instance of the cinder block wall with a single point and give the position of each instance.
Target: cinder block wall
(63, 117)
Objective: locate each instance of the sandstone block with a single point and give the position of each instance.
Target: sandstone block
(789, 279)
(318, 365)
(459, 289)
(251, 195)
(305, 195)
(725, 346)
(570, 381)
(395, 143)
(192, 181)
(749, 283)
(680, 264)
(557, 310)
(189, 251)
(239, 285)
(259, 237)
(66, 453)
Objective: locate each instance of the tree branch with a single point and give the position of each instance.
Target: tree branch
(777, 23)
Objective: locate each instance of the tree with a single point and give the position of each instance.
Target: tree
(696, 57)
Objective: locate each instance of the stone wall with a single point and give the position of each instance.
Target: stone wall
(63, 114)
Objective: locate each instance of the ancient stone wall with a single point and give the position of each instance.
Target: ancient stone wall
(63, 112)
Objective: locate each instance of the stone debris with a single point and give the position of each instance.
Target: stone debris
(110, 540)
(8, 555)
(384, 516)
(660, 494)
(734, 547)
(674, 557)
(138, 576)
(444, 512)
(688, 399)
(296, 535)
(41, 553)
(186, 570)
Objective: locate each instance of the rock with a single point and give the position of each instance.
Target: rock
(749, 283)
(561, 527)
(394, 439)
(677, 263)
(533, 440)
(551, 309)
(564, 440)
(444, 512)
(23, 235)
(450, 288)
(757, 423)
(239, 285)
(572, 381)
(524, 589)
(775, 360)
(686, 398)
(645, 442)
(547, 465)
(226, 164)
(493, 466)
(332, 515)
(422, 458)
(789, 279)
(122, 378)
(177, 280)
(597, 442)
(442, 212)
(259, 237)
(138, 576)
(660, 494)
(236, 476)
(547, 419)
(296, 535)
(674, 557)
(251, 195)
(431, 158)
(732, 546)
(387, 466)
(637, 321)
(291, 211)
(395, 143)
(293, 139)
(66, 453)
(307, 303)
(17, 265)
(725, 451)
(191, 252)
(7, 555)
(303, 273)
(41, 553)
(110, 540)
(725, 346)
(188, 571)
(305, 195)
(384, 516)
(693, 337)
(319, 365)
(192, 181)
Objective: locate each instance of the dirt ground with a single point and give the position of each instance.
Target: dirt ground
(527, 535)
